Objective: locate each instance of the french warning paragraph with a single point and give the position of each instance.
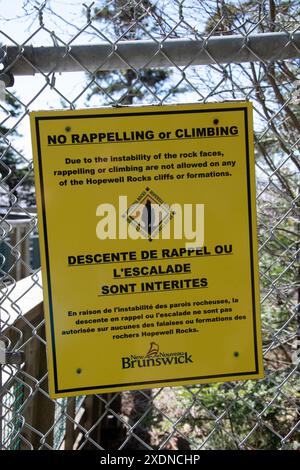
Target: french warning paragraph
(152, 321)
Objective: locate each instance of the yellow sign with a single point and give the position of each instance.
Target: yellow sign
(148, 246)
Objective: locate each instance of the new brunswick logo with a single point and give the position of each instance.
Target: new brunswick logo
(155, 358)
(154, 348)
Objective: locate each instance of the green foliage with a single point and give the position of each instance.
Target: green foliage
(252, 415)
(15, 172)
(128, 21)
(232, 17)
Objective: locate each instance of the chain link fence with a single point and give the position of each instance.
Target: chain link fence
(69, 55)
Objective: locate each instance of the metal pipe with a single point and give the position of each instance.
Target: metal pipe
(30, 60)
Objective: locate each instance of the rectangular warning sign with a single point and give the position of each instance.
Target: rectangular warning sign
(147, 230)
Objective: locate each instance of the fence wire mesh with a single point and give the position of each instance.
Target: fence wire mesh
(260, 414)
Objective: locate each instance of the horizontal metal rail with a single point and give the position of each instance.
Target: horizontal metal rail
(29, 60)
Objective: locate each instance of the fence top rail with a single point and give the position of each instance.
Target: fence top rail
(29, 60)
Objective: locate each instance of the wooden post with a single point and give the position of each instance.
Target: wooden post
(39, 409)
(25, 252)
(93, 410)
(70, 427)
